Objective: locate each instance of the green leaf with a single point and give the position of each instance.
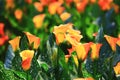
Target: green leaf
(24, 43)
(100, 36)
(16, 62)
(44, 66)
(61, 71)
(21, 75)
(90, 31)
(51, 39)
(10, 74)
(9, 57)
(72, 67)
(52, 50)
(35, 68)
(96, 12)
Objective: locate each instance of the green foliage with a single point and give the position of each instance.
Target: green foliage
(11, 74)
(49, 61)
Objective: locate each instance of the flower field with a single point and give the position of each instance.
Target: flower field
(59, 40)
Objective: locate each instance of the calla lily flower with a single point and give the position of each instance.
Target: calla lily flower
(60, 10)
(105, 4)
(65, 16)
(95, 50)
(38, 6)
(116, 7)
(93, 1)
(82, 50)
(117, 68)
(68, 34)
(60, 32)
(83, 79)
(44, 2)
(73, 36)
(15, 43)
(112, 41)
(28, 1)
(1, 29)
(3, 37)
(10, 4)
(81, 5)
(33, 39)
(18, 14)
(38, 20)
(26, 56)
(52, 8)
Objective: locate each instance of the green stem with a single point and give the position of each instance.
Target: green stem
(80, 69)
(95, 71)
(27, 75)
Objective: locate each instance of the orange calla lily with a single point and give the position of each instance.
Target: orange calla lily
(10, 4)
(60, 32)
(76, 1)
(117, 68)
(105, 4)
(68, 2)
(68, 34)
(112, 41)
(33, 39)
(62, 28)
(44, 2)
(38, 6)
(73, 36)
(52, 8)
(92, 1)
(28, 1)
(60, 10)
(87, 46)
(83, 79)
(38, 20)
(18, 14)
(82, 50)
(116, 7)
(81, 5)
(26, 56)
(15, 43)
(118, 43)
(95, 50)
(64, 16)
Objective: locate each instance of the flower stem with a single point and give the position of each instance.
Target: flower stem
(80, 69)
(27, 75)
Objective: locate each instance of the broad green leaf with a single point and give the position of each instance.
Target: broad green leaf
(24, 43)
(16, 62)
(62, 66)
(90, 31)
(9, 74)
(34, 69)
(9, 57)
(21, 75)
(100, 35)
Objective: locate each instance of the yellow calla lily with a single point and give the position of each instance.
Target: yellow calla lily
(15, 43)
(26, 56)
(33, 39)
